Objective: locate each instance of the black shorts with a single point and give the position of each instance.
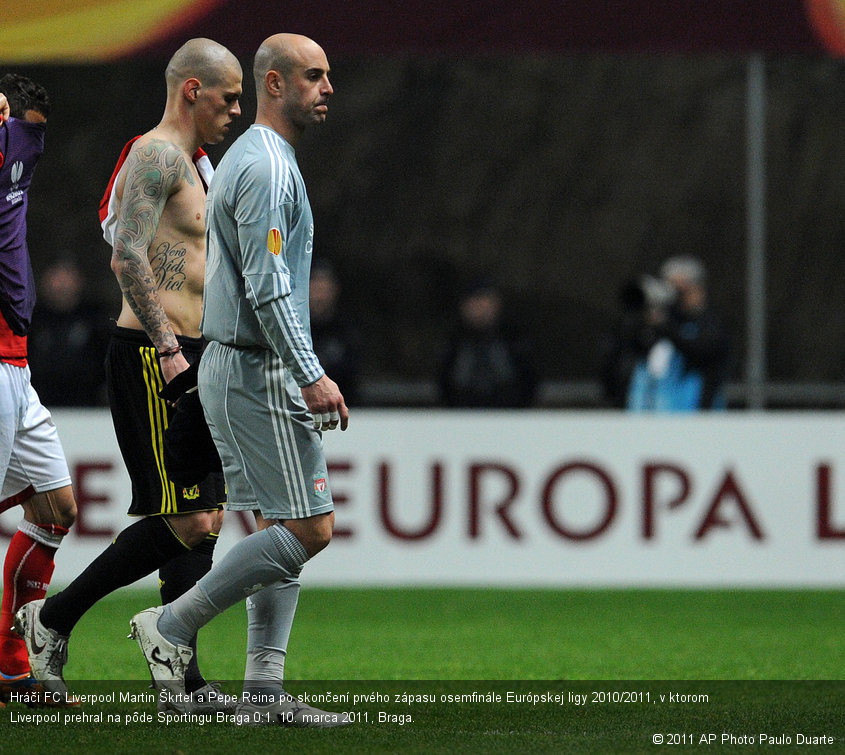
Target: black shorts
(140, 418)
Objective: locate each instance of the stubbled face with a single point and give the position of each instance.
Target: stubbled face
(220, 105)
(308, 88)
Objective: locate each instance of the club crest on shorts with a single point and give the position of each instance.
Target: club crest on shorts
(274, 241)
(320, 485)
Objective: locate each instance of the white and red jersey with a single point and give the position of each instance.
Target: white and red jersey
(108, 204)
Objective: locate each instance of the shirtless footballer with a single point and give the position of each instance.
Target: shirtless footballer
(153, 215)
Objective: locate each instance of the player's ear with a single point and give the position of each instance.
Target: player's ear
(274, 83)
(190, 89)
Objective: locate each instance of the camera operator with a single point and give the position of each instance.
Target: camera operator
(672, 353)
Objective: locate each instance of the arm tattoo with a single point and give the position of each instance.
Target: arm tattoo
(153, 172)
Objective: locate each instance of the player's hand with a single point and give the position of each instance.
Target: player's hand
(172, 366)
(5, 110)
(325, 402)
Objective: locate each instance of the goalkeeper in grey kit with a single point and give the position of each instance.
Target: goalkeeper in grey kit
(263, 390)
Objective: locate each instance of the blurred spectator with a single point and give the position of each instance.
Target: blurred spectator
(67, 341)
(671, 351)
(629, 342)
(336, 341)
(484, 366)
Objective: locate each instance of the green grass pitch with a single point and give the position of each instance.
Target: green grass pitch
(620, 669)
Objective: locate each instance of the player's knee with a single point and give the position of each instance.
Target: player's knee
(64, 504)
(314, 533)
(52, 507)
(67, 518)
(216, 521)
(314, 543)
(193, 528)
(196, 534)
(319, 540)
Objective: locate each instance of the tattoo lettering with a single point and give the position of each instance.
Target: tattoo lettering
(153, 172)
(168, 266)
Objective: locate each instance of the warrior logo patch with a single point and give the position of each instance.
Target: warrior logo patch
(274, 241)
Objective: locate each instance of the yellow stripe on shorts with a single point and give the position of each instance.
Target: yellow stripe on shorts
(158, 424)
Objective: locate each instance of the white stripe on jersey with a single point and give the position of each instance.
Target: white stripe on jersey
(295, 336)
(280, 174)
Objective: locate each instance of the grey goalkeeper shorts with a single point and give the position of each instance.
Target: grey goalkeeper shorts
(272, 456)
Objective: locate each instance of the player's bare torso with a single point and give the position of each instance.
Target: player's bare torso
(177, 252)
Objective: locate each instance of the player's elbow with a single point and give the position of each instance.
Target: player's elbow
(118, 264)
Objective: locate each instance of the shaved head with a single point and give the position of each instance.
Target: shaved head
(280, 53)
(291, 83)
(202, 59)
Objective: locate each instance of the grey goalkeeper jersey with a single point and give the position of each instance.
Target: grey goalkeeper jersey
(260, 236)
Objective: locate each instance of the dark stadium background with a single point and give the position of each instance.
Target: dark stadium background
(560, 150)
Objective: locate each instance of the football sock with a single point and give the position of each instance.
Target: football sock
(26, 576)
(136, 552)
(270, 615)
(260, 559)
(178, 576)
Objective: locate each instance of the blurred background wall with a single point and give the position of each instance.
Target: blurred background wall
(559, 147)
